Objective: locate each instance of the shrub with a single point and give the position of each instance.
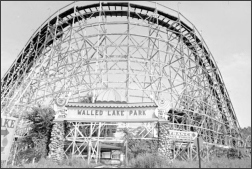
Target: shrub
(148, 160)
(155, 161)
(216, 162)
(228, 163)
(27, 156)
(76, 163)
(42, 163)
(35, 143)
(234, 153)
(49, 163)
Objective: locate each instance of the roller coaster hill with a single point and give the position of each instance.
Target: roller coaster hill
(103, 64)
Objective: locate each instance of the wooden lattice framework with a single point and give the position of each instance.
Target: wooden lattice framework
(88, 136)
(139, 50)
(84, 140)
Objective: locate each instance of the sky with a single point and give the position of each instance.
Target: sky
(225, 27)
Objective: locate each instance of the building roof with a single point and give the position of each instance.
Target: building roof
(111, 104)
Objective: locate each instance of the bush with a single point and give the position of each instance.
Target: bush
(222, 162)
(228, 163)
(49, 163)
(144, 161)
(148, 160)
(155, 161)
(42, 163)
(37, 140)
(234, 153)
(27, 156)
(77, 163)
(139, 147)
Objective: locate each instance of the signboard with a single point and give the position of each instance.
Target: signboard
(200, 142)
(161, 111)
(161, 114)
(111, 114)
(22, 131)
(59, 106)
(62, 113)
(182, 135)
(8, 126)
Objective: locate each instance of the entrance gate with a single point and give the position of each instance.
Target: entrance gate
(91, 124)
(84, 138)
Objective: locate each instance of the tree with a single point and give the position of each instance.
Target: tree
(246, 131)
(127, 137)
(38, 138)
(136, 146)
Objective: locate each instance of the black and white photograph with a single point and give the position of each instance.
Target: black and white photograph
(125, 84)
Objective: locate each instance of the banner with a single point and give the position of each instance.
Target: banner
(8, 126)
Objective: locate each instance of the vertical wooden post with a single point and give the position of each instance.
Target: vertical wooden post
(199, 152)
(191, 151)
(158, 134)
(90, 143)
(207, 152)
(126, 154)
(89, 151)
(74, 140)
(98, 144)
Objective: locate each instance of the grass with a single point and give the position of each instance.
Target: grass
(144, 161)
(215, 163)
(49, 163)
(153, 161)
(149, 161)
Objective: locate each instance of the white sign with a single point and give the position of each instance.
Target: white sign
(62, 113)
(161, 111)
(22, 130)
(59, 106)
(161, 114)
(196, 142)
(138, 114)
(8, 126)
(106, 155)
(182, 135)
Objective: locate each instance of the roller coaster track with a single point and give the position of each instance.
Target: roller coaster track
(52, 30)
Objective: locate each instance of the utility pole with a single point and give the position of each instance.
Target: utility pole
(199, 151)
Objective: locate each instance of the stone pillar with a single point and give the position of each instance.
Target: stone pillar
(165, 144)
(56, 147)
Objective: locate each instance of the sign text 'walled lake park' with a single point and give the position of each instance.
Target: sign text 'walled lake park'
(111, 114)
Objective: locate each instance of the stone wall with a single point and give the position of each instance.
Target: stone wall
(165, 144)
(57, 142)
